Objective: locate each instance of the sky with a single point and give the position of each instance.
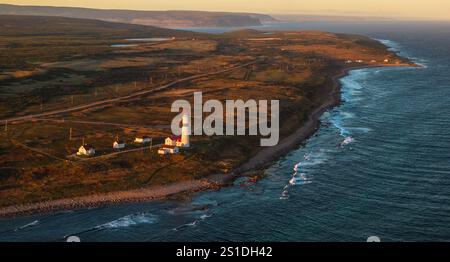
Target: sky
(401, 9)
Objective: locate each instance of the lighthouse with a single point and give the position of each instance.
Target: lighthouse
(185, 131)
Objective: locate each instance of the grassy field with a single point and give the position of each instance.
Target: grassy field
(64, 62)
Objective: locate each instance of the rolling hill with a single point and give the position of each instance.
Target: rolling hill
(24, 25)
(155, 18)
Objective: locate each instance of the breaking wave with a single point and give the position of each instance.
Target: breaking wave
(299, 178)
(32, 224)
(397, 48)
(193, 223)
(130, 220)
(123, 222)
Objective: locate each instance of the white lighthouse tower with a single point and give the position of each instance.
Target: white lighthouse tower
(185, 131)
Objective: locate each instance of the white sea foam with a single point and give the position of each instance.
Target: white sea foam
(205, 216)
(392, 45)
(352, 89)
(361, 129)
(31, 224)
(285, 193)
(347, 115)
(347, 140)
(397, 47)
(315, 159)
(194, 223)
(191, 224)
(337, 122)
(130, 220)
(299, 178)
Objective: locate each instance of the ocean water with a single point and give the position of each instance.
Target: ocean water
(378, 166)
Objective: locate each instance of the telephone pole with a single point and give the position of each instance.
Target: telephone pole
(70, 135)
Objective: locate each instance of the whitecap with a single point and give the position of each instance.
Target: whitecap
(347, 115)
(130, 220)
(192, 224)
(31, 224)
(347, 141)
(361, 129)
(205, 216)
(297, 166)
(284, 195)
(299, 182)
(337, 122)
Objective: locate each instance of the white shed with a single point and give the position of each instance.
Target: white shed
(168, 150)
(119, 144)
(142, 140)
(86, 150)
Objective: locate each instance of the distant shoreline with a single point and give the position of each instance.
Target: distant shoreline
(261, 160)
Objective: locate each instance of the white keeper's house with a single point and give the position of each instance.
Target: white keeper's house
(173, 141)
(183, 140)
(172, 144)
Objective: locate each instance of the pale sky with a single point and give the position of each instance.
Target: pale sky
(422, 9)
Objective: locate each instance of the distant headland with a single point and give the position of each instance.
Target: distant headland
(170, 19)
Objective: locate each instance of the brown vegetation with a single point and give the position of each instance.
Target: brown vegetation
(293, 67)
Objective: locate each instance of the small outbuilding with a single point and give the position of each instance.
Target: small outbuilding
(86, 150)
(166, 150)
(119, 144)
(142, 140)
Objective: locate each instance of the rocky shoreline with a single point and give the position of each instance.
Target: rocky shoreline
(267, 155)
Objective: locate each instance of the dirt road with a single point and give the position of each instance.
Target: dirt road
(121, 98)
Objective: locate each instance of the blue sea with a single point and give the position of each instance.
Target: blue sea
(378, 166)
